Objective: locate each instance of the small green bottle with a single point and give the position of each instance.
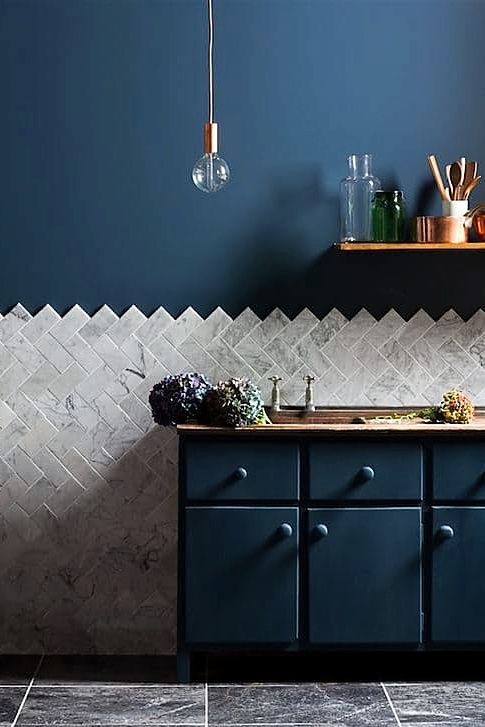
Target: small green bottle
(388, 216)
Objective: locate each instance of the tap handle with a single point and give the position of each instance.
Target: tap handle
(309, 404)
(275, 394)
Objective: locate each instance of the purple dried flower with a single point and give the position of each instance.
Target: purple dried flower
(177, 399)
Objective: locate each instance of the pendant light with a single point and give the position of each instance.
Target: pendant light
(210, 173)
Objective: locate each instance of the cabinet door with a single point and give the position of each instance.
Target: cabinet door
(458, 585)
(241, 575)
(365, 575)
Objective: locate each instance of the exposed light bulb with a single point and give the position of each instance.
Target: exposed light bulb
(210, 173)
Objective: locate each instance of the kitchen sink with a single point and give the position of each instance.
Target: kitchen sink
(332, 415)
(345, 415)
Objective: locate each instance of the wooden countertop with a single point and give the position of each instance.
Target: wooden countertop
(408, 429)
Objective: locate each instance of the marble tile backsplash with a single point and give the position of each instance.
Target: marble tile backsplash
(88, 485)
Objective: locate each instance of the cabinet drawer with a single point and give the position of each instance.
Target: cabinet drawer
(459, 471)
(229, 470)
(365, 471)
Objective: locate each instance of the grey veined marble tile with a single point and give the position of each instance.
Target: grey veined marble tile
(240, 327)
(10, 699)
(443, 704)
(352, 705)
(100, 706)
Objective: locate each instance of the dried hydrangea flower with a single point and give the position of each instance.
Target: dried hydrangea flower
(235, 403)
(178, 399)
(456, 407)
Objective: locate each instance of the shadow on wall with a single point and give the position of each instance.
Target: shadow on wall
(270, 261)
(269, 266)
(94, 570)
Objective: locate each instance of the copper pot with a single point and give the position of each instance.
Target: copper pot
(440, 229)
(479, 225)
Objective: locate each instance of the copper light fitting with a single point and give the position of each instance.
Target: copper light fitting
(210, 138)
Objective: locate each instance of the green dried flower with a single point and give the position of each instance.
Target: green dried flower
(234, 403)
(456, 407)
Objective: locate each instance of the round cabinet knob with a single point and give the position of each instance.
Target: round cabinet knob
(446, 532)
(285, 530)
(320, 531)
(241, 473)
(367, 473)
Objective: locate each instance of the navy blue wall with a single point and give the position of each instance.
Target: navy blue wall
(102, 105)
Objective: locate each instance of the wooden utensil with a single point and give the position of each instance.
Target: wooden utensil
(450, 186)
(435, 171)
(470, 172)
(468, 189)
(459, 193)
(457, 172)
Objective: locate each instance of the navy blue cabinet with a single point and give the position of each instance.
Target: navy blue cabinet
(458, 577)
(241, 575)
(309, 542)
(364, 576)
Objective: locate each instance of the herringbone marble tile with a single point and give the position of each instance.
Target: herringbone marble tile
(88, 483)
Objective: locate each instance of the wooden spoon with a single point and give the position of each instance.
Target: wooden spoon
(457, 172)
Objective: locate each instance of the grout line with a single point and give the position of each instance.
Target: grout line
(389, 700)
(27, 691)
(254, 685)
(111, 685)
(14, 686)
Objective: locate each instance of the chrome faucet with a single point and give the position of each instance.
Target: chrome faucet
(275, 393)
(309, 404)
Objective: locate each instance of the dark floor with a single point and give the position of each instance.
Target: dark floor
(141, 692)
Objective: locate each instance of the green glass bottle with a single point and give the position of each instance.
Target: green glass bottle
(388, 216)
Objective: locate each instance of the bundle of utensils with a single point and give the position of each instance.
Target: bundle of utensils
(461, 175)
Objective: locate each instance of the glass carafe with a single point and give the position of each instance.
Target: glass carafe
(356, 194)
